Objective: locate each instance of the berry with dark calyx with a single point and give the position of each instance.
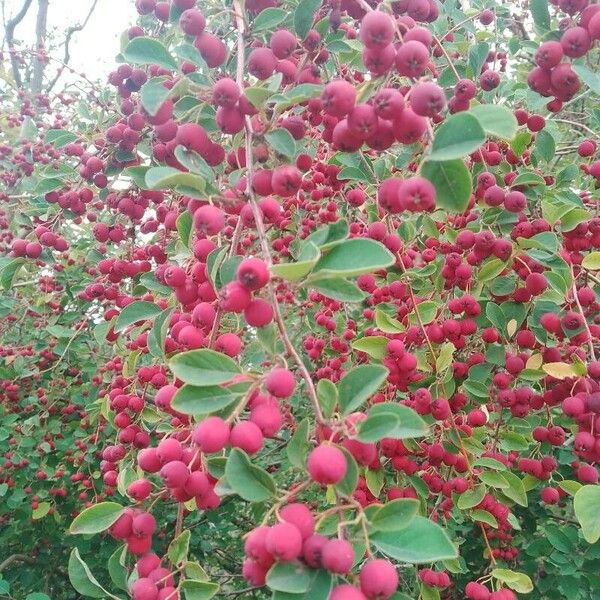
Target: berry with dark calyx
(253, 273)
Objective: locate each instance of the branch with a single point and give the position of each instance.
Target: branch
(15, 558)
(39, 65)
(11, 25)
(71, 31)
(260, 227)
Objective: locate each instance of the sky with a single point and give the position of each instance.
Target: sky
(92, 50)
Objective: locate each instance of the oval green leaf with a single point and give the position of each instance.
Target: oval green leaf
(457, 137)
(96, 518)
(203, 367)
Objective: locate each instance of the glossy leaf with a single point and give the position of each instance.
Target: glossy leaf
(203, 367)
(96, 518)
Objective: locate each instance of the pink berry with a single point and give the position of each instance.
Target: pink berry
(327, 464)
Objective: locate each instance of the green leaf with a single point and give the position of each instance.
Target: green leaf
(587, 511)
(158, 333)
(148, 51)
(374, 345)
(9, 272)
(348, 484)
(422, 541)
(304, 16)
(339, 289)
(330, 235)
(516, 581)
(592, 261)
(184, 227)
(163, 178)
(153, 95)
(96, 518)
(179, 548)
(290, 577)
(457, 137)
(395, 515)
(496, 316)
(358, 385)
(471, 498)
(475, 389)
(444, 357)
(589, 77)
(520, 143)
(327, 394)
(29, 130)
(355, 174)
(569, 486)
(37, 596)
(300, 93)
(203, 367)
(452, 182)
(247, 480)
(196, 400)
(307, 259)
(496, 120)
(136, 311)
(490, 463)
(411, 425)
(137, 175)
(298, 446)
(494, 479)
(59, 138)
(375, 478)
(387, 324)
(281, 141)
(376, 427)
(41, 511)
(484, 516)
(515, 490)
(478, 54)
(199, 590)
(194, 163)
(353, 257)
(81, 578)
(545, 145)
(117, 569)
(540, 13)
(528, 178)
(190, 53)
(426, 311)
(269, 18)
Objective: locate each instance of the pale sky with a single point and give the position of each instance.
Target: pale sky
(92, 50)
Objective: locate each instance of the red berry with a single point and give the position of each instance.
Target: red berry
(327, 464)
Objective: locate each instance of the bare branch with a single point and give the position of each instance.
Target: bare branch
(11, 25)
(71, 31)
(39, 65)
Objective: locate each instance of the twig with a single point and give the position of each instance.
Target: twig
(260, 227)
(15, 558)
(71, 31)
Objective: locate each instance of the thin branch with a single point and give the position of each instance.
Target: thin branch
(260, 227)
(71, 31)
(41, 27)
(10, 40)
(15, 558)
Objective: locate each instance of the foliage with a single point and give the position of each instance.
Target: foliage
(306, 285)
